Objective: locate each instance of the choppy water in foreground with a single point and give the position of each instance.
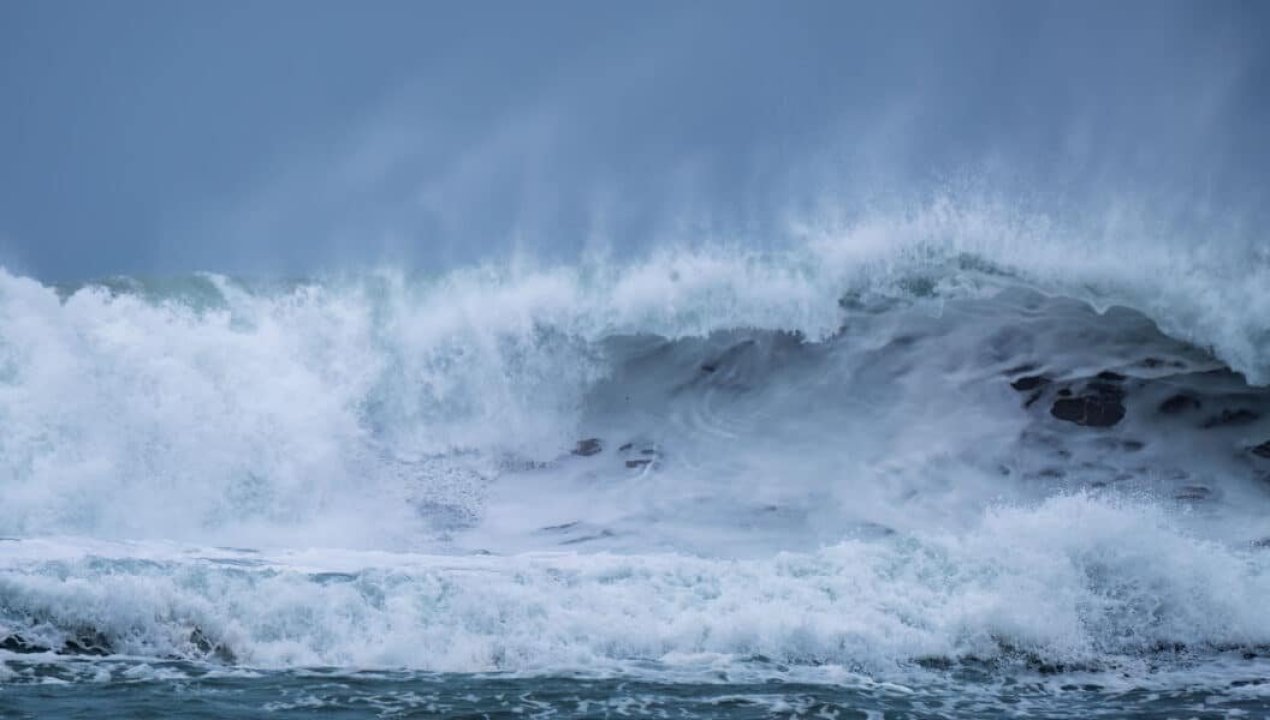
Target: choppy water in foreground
(183, 691)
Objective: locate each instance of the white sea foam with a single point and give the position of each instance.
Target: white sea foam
(810, 455)
(1070, 580)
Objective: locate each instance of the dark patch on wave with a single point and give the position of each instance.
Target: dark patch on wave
(1107, 396)
(88, 641)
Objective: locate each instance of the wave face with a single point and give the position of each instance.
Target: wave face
(874, 456)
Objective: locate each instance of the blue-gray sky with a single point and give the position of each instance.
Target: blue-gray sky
(295, 136)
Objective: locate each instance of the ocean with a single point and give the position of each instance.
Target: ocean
(933, 465)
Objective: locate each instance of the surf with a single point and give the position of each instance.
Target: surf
(906, 447)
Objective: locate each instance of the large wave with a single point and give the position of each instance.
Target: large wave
(952, 434)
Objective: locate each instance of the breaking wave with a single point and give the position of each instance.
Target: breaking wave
(955, 436)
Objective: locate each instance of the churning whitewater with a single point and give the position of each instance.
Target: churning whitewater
(912, 450)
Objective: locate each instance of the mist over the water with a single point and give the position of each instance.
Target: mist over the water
(300, 138)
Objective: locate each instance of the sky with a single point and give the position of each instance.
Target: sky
(291, 137)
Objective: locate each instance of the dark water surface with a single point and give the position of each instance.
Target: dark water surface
(119, 688)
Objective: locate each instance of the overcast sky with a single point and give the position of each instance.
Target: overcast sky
(298, 136)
